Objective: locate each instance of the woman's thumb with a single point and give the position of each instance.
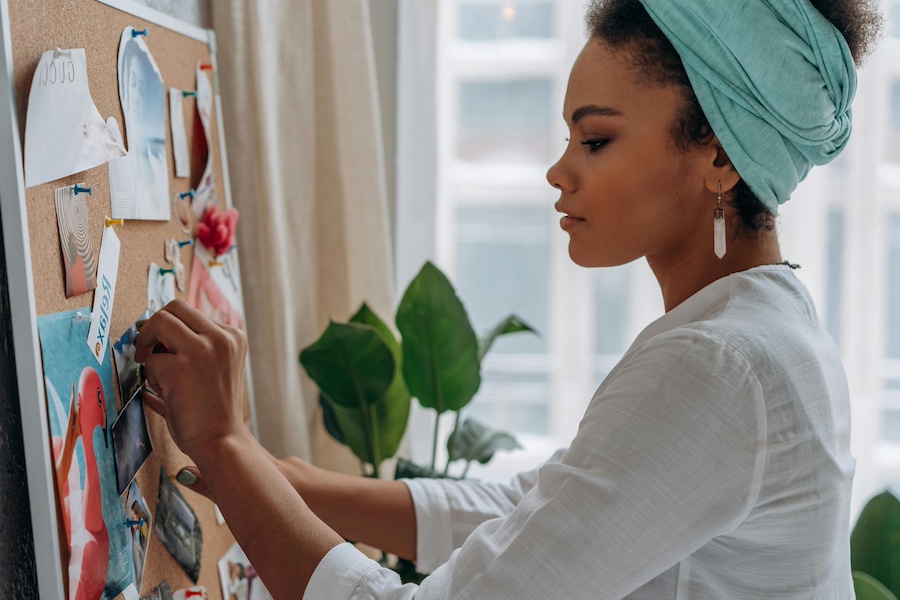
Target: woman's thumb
(191, 478)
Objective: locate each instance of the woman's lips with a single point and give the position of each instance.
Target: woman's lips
(569, 222)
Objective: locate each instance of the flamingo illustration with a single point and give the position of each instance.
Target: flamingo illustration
(82, 508)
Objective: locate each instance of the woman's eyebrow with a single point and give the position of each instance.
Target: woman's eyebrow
(593, 110)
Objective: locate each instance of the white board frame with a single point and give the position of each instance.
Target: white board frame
(23, 312)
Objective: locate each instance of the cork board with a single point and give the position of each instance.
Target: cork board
(40, 25)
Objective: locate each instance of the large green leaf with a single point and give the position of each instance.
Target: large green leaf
(391, 413)
(386, 422)
(351, 364)
(869, 588)
(440, 350)
(875, 541)
(474, 441)
(329, 419)
(354, 367)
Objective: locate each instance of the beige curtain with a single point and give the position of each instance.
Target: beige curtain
(302, 123)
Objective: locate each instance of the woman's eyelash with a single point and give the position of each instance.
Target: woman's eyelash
(595, 145)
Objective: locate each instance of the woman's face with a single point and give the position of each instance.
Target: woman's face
(627, 191)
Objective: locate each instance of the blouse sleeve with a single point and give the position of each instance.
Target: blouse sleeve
(669, 455)
(448, 511)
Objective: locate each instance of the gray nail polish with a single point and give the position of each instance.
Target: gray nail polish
(186, 477)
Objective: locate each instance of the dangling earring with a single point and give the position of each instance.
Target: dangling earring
(719, 227)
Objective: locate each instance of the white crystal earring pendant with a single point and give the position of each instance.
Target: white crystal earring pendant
(719, 226)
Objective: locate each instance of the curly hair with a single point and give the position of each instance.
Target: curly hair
(626, 25)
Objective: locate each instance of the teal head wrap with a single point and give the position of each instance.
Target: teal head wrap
(774, 78)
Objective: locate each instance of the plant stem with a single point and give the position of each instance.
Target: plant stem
(452, 436)
(466, 470)
(437, 422)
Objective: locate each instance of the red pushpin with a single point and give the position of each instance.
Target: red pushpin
(206, 67)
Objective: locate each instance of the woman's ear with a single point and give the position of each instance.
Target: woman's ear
(720, 169)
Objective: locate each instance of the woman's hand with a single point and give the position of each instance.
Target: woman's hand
(196, 368)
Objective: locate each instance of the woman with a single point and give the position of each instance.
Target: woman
(713, 462)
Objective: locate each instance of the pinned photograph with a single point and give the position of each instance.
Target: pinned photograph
(205, 186)
(75, 241)
(177, 527)
(239, 578)
(130, 373)
(143, 98)
(80, 409)
(161, 592)
(131, 441)
(137, 519)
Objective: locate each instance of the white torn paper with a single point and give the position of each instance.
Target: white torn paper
(143, 97)
(160, 287)
(206, 190)
(179, 137)
(121, 180)
(107, 273)
(64, 132)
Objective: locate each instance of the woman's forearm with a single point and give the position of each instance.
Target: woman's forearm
(376, 512)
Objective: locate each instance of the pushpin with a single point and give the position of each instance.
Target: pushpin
(188, 93)
(80, 190)
(206, 67)
(135, 33)
(188, 194)
(216, 263)
(186, 243)
(58, 52)
(130, 522)
(111, 222)
(80, 317)
(164, 271)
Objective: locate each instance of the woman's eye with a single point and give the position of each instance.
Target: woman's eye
(595, 145)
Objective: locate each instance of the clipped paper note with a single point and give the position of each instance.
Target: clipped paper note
(64, 132)
(179, 137)
(160, 288)
(101, 317)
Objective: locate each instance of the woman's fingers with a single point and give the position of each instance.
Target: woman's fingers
(190, 316)
(153, 402)
(191, 478)
(158, 369)
(166, 329)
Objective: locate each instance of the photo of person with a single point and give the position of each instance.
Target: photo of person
(211, 291)
(131, 441)
(129, 372)
(238, 577)
(143, 98)
(77, 250)
(137, 513)
(177, 527)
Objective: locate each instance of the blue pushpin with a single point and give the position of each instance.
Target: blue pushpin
(186, 243)
(189, 194)
(81, 190)
(135, 33)
(188, 93)
(164, 271)
(130, 522)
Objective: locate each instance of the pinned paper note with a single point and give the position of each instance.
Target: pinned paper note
(179, 137)
(98, 336)
(160, 287)
(143, 98)
(75, 241)
(121, 180)
(64, 132)
(238, 577)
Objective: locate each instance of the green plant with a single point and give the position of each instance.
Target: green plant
(367, 376)
(869, 588)
(875, 544)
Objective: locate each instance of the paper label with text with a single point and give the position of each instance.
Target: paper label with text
(101, 316)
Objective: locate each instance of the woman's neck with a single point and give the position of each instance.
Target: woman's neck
(685, 271)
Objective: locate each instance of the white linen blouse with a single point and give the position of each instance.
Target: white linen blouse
(712, 463)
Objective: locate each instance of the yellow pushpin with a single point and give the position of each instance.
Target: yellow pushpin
(111, 222)
(216, 263)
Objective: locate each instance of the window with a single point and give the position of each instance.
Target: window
(493, 21)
